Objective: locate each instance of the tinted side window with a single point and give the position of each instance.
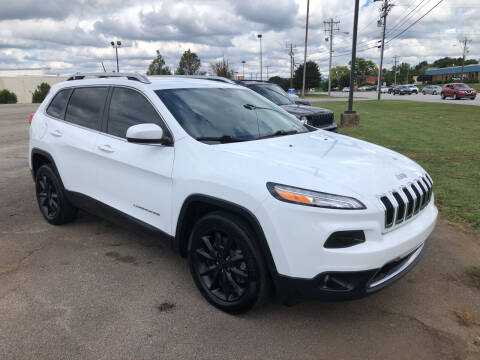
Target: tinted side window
(59, 104)
(86, 106)
(127, 108)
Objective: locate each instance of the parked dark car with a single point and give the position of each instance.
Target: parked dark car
(458, 91)
(402, 90)
(317, 117)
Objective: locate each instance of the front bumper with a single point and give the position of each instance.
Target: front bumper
(296, 235)
(347, 285)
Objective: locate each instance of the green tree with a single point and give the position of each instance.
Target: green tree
(282, 82)
(40, 92)
(405, 75)
(312, 76)
(189, 64)
(222, 68)
(340, 76)
(364, 68)
(157, 66)
(7, 97)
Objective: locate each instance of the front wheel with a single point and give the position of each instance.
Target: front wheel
(226, 264)
(53, 204)
(424, 93)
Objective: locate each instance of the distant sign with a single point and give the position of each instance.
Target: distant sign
(291, 91)
(240, 77)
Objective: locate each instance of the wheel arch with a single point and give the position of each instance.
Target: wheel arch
(40, 157)
(197, 205)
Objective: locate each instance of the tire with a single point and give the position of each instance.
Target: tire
(235, 279)
(434, 93)
(443, 96)
(51, 199)
(455, 96)
(424, 93)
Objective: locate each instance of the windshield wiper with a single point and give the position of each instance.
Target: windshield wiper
(222, 139)
(279, 133)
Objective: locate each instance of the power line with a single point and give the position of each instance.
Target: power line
(415, 22)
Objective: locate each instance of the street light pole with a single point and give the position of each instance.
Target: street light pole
(260, 37)
(354, 56)
(350, 117)
(116, 45)
(243, 64)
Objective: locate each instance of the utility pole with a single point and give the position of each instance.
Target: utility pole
(386, 7)
(330, 28)
(292, 61)
(464, 43)
(305, 53)
(243, 64)
(395, 70)
(267, 66)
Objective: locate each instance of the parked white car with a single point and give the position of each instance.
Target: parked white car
(252, 196)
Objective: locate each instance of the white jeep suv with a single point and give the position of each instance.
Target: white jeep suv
(256, 200)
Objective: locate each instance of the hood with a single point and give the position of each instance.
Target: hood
(304, 110)
(325, 162)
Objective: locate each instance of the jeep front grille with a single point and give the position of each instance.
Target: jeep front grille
(406, 202)
(320, 120)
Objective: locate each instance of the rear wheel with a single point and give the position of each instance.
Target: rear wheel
(443, 96)
(53, 204)
(424, 93)
(434, 92)
(455, 96)
(225, 263)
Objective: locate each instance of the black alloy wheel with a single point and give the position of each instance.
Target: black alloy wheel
(48, 197)
(53, 204)
(225, 263)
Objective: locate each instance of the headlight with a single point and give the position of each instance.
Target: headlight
(313, 198)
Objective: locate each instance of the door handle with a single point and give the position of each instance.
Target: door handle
(56, 133)
(106, 148)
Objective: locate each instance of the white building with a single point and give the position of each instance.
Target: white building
(24, 81)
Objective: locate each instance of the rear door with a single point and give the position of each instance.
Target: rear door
(134, 178)
(73, 134)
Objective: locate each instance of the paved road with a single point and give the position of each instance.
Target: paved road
(92, 290)
(371, 95)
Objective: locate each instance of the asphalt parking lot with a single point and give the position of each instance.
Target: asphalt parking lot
(372, 95)
(92, 290)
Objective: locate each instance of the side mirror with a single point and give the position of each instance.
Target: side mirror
(147, 134)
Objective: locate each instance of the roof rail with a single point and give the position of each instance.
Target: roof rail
(200, 77)
(130, 76)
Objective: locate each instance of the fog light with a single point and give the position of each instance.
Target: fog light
(344, 239)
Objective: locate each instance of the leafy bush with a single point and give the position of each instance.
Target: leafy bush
(7, 97)
(40, 93)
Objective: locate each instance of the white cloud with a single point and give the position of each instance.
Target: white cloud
(74, 35)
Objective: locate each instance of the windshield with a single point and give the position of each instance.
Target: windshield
(227, 114)
(462, 86)
(272, 92)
